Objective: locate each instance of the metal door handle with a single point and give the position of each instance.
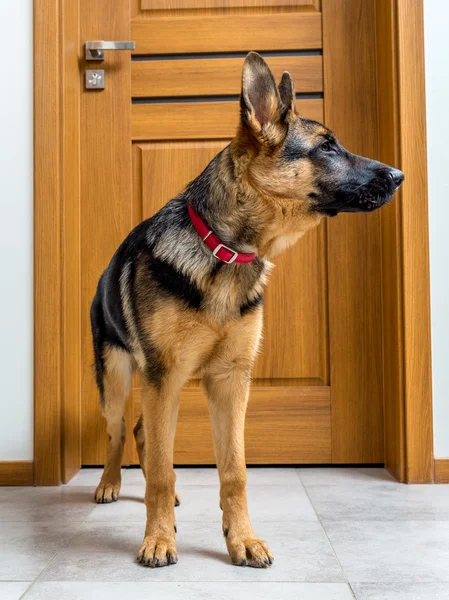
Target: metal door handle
(95, 50)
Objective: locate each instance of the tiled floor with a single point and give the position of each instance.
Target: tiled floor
(336, 534)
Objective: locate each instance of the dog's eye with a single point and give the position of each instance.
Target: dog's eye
(326, 147)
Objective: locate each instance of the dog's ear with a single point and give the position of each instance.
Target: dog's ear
(260, 101)
(287, 92)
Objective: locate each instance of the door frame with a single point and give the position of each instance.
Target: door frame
(57, 51)
(408, 438)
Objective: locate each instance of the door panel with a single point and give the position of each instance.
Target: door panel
(183, 161)
(217, 76)
(191, 4)
(193, 120)
(226, 33)
(295, 345)
(297, 424)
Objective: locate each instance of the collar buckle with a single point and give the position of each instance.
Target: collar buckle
(214, 243)
(231, 260)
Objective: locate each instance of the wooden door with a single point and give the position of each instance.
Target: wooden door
(165, 113)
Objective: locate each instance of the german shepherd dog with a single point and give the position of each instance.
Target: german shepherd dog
(182, 297)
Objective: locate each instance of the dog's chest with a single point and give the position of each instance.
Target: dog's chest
(234, 291)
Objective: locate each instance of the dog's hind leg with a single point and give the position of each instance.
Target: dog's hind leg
(139, 434)
(114, 389)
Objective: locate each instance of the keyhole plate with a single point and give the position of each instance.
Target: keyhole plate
(94, 79)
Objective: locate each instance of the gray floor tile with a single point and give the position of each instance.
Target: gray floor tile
(343, 476)
(266, 503)
(13, 590)
(27, 548)
(273, 476)
(129, 508)
(400, 551)
(209, 476)
(189, 591)
(107, 552)
(185, 476)
(45, 504)
(401, 591)
(90, 477)
(380, 501)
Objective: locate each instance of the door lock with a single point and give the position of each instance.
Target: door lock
(94, 79)
(95, 50)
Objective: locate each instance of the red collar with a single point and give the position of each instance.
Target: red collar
(219, 250)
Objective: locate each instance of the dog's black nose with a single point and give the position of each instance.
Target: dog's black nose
(397, 176)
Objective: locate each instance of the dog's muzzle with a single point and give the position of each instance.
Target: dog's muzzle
(365, 197)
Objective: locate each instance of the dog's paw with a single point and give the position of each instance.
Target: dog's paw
(177, 500)
(107, 492)
(249, 552)
(157, 551)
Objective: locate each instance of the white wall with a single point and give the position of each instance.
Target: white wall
(436, 18)
(16, 231)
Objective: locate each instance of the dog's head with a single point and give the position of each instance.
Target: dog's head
(302, 160)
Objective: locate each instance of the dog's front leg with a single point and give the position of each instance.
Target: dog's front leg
(160, 410)
(227, 384)
(227, 406)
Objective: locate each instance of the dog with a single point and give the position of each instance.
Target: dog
(182, 297)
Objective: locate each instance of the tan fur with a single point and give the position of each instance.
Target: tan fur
(226, 380)
(183, 338)
(139, 436)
